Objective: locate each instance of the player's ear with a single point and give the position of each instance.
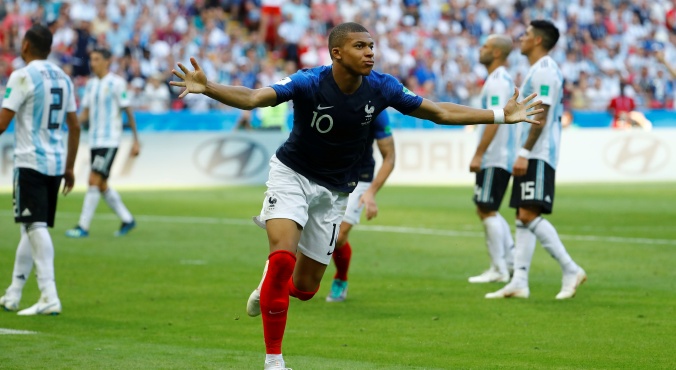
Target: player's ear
(335, 53)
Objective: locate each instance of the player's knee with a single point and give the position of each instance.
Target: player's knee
(303, 295)
(484, 213)
(527, 215)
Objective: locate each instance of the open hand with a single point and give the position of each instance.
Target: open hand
(516, 112)
(369, 201)
(194, 81)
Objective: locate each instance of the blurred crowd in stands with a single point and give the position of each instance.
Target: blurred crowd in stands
(430, 45)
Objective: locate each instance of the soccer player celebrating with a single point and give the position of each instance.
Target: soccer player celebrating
(493, 161)
(314, 170)
(534, 169)
(104, 100)
(363, 196)
(41, 96)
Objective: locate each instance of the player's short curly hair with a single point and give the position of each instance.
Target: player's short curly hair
(40, 39)
(105, 53)
(339, 33)
(548, 31)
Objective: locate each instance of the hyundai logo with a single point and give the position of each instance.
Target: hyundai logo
(231, 158)
(637, 154)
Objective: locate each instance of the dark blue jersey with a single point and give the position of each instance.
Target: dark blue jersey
(380, 129)
(330, 128)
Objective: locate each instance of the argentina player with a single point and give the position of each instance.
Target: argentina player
(535, 168)
(313, 172)
(41, 96)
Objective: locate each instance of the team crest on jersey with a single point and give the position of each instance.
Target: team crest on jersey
(272, 200)
(408, 92)
(7, 92)
(369, 114)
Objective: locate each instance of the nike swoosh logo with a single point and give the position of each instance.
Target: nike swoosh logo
(319, 107)
(276, 313)
(330, 253)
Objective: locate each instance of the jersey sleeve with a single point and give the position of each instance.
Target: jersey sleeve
(87, 95)
(544, 81)
(398, 96)
(499, 92)
(299, 84)
(121, 94)
(16, 91)
(382, 126)
(72, 106)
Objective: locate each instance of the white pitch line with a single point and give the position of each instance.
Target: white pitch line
(4, 331)
(374, 228)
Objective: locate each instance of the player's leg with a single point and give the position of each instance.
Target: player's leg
(547, 235)
(283, 237)
(111, 196)
(284, 214)
(524, 245)
(23, 264)
(342, 254)
(42, 247)
(342, 257)
(490, 187)
(91, 201)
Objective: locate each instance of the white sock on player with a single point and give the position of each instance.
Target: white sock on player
(23, 264)
(494, 238)
(43, 255)
(91, 201)
(507, 242)
(523, 253)
(115, 202)
(549, 238)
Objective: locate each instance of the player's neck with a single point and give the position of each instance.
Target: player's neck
(100, 76)
(346, 81)
(536, 55)
(29, 58)
(495, 65)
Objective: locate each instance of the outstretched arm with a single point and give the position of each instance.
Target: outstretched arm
(235, 96)
(386, 147)
(136, 146)
(455, 114)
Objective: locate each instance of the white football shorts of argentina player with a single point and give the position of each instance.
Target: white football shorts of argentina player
(315, 208)
(354, 210)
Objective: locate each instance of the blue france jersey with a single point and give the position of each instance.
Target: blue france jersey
(380, 129)
(330, 128)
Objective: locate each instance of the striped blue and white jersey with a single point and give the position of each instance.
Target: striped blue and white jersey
(497, 90)
(545, 78)
(105, 97)
(40, 94)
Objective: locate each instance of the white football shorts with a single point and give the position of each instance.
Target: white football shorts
(317, 209)
(354, 210)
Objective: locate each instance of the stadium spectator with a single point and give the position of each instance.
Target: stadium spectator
(623, 110)
(156, 94)
(603, 38)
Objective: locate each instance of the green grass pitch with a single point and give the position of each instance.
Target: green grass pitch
(172, 294)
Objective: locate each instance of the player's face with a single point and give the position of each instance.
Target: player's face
(486, 52)
(527, 41)
(98, 63)
(357, 53)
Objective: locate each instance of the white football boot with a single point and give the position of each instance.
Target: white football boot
(253, 305)
(275, 365)
(511, 290)
(9, 303)
(570, 284)
(43, 307)
(491, 275)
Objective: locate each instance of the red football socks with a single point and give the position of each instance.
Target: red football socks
(275, 299)
(295, 292)
(341, 257)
